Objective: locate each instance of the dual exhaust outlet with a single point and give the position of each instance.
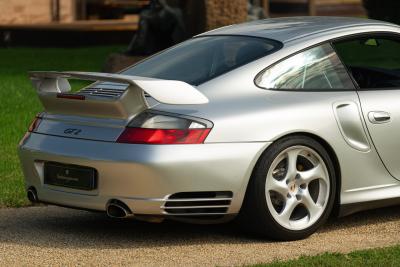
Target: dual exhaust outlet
(32, 195)
(115, 208)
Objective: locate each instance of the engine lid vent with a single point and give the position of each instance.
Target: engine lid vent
(104, 89)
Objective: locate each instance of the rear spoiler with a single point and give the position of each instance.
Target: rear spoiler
(52, 87)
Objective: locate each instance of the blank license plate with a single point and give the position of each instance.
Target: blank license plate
(71, 176)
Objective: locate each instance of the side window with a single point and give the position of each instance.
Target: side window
(373, 62)
(314, 69)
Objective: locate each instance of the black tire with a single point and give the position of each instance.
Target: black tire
(255, 216)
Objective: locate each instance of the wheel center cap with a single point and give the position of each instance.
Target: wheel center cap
(292, 187)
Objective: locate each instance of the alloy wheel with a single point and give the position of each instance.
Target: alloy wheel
(297, 187)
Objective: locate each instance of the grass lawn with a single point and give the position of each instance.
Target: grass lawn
(19, 104)
(373, 257)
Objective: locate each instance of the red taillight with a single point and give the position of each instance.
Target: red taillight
(34, 124)
(163, 136)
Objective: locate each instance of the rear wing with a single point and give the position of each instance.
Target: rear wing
(53, 87)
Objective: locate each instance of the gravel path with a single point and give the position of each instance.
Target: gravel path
(56, 236)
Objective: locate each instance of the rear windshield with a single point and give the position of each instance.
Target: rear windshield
(201, 59)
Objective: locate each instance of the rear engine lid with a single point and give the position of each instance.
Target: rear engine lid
(82, 127)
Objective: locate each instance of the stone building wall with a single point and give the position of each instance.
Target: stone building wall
(67, 10)
(33, 11)
(24, 11)
(224, 12)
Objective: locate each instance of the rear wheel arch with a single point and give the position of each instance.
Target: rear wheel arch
(257, 218)
(332, 155)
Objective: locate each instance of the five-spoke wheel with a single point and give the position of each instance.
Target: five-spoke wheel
(292, 190)
(297, 187)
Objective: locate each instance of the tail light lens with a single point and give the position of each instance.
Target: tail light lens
(32, 127)
(34, 124)
(156, 128)
(163, 136)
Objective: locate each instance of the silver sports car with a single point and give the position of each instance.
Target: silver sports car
(280, 122)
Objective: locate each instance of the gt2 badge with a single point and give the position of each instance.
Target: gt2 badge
(72, 131)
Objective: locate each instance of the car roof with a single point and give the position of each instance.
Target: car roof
(287, 29)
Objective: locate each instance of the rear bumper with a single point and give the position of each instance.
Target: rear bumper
(141, 176)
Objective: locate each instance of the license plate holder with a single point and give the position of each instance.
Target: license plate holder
(70, 176)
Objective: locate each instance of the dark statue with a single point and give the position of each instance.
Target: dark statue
(255, 10)
(161, 25)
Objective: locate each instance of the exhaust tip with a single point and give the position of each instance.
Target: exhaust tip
(32, 195)
(118, 209)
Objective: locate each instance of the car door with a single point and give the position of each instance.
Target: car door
(374, 63)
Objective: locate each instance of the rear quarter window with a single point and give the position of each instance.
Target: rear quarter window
(317, 68)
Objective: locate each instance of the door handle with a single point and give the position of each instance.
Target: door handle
(379, 116)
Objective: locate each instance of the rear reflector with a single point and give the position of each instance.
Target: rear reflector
(163, 136)
(71, 96)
